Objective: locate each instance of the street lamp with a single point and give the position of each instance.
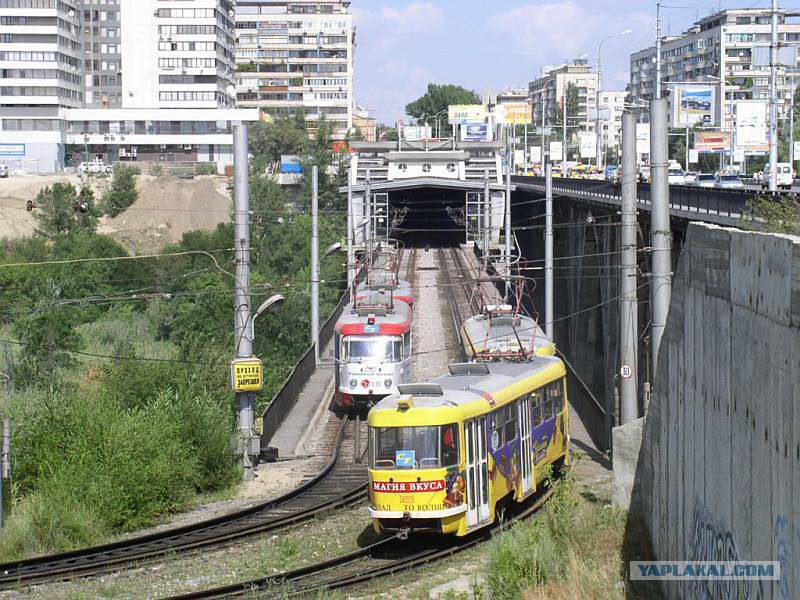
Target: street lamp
(599, 123)
(270, 305)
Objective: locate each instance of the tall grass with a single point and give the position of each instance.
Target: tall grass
(571, 549)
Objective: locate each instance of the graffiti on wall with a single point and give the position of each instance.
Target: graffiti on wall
(712, 541)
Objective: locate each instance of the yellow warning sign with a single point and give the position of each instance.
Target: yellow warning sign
(247, 375)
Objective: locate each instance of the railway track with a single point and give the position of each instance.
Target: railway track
(385, 557)
(339, 484)
(457, 289)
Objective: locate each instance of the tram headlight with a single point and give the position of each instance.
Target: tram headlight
(353, 383)
(388, 383)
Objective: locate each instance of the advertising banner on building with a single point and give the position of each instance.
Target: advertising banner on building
(694, 157)
(519, 157)
(643, 138)
(588, 144)
(514, 113)
(461, 114)
(536, 154)
(474, 132)
(693, 105)
(12, 149)
(556, 151)
(751, 126)
(712, 141)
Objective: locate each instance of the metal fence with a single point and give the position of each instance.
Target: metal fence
(285, 399)
(687, 198)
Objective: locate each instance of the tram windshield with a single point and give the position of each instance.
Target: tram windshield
(431, 447)
(385, 349)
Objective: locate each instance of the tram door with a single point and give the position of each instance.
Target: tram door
(477, 472)
(526, 458)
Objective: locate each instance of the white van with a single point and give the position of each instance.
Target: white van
(3, 170)
(785, 176)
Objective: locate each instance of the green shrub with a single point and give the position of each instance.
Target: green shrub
(207, 169)
(156, 170)
(123, 191)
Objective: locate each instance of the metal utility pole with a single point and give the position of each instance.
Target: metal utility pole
(509, 156)
(598, 128)
(548, 252)
(315, 261)
(629, 303)
(351, 272)
(658, 51)
(368, 217)
(661, 233)
(245, 401)
(773, 102)
(564, 137)
(487, 230)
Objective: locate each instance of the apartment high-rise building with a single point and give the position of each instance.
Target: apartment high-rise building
(730, 50)
(547, 94)
(612, 105)
(297, 55)
(116, 79)
(40, 54)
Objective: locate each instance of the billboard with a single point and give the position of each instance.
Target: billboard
(291, 163)
(712, 141)
(643, 138)
(556, 151)
(474, 132)
(588, 144)
(463, 114)
(536, 154)
(514, 113)
(12, 149)
(417, 133)
(519, 157)
(693, 105)
(751, 126)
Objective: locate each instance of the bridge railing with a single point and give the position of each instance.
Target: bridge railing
(687, 198)
(287, 396)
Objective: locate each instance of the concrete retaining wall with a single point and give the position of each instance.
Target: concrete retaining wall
(719, 472)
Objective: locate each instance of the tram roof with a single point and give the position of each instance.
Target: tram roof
(482, 381)
(486, 334)
(399, 315)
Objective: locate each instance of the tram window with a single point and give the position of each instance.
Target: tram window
(555, 394)
(537, 408)
(407, 345)
(504, 426)
(384, 349)
(485, 486)
(472, 488)
(450, 445)
(433, 447)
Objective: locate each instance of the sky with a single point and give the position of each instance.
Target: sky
(494, 45)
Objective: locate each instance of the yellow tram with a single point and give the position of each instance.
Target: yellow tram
(443, 454)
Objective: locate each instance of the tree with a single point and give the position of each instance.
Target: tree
(123, 191)
(48, 338)
(268, 141)
(556, 116)
(60, 210)
(437, 99)
(320, 152)
(386, 133)
(775, 215)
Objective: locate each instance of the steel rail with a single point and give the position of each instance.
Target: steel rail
(360, 566)
(289, 509)
(455, 311)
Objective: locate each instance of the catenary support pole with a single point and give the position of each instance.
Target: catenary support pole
(351, 267)
(548, 252)
(509, 158)
(487, 217)
(658, 51)
(565, 116)
(661, 233)
(245, 401)
(368, 217)
(629, 304)
(315, 261)
(773, 101)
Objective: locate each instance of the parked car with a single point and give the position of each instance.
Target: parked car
(785, 176)
(3, 170)
(690, 177)
(729, 181)
(95, 166)
(705, 180)
(676, 177)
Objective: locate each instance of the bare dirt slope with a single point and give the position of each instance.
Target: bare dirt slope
(167, 208)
